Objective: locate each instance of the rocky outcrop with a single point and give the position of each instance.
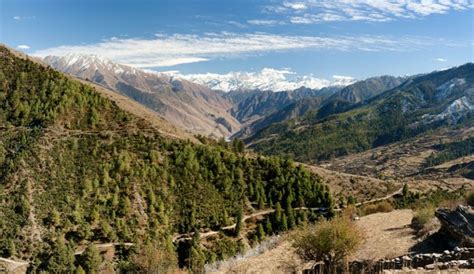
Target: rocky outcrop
(457, 225)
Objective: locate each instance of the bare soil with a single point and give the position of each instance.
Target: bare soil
(386, 235)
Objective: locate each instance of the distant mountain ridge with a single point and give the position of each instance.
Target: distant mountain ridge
(326, 101)
(419, 104)
(267, 79)
(193, 107)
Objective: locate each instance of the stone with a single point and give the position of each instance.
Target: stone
(457, 225)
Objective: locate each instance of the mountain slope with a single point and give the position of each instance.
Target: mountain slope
(190, 106)
(325, 101)
(75, 169)
(366, 89)
(260, 104)
(357, 93)
(431, 101)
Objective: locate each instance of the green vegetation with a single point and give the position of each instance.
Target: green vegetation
(450, 151)
(392, 116)
(423, 216)
(328, 241)
(434, 199)
(77, 170)
(153, 258)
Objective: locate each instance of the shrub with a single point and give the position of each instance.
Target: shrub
(422, 217)
(328, 241)
(383, 206)
(154, 258)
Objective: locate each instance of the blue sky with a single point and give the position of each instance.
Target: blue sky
(309, 37)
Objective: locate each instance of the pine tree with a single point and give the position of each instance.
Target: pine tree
(239, 221)
(91, 259)
(62, 260)
(268, 227)
(197, 259)
(11, 251)
(260, 232)
(284, 223)
(289, 213)
(277, 216)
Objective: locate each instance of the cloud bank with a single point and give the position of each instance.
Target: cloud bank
(315, 11)
(163, 51)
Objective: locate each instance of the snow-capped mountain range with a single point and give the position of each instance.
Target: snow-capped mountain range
(265, 79)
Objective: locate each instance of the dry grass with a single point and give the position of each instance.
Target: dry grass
(383, 206)
(382, 230)
(360, 187)
(422, 217)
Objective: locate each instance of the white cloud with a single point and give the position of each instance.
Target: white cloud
(23, 46)
(266, 79)
(18, 18)
(237, 24)
(177, 49)
(300, 20)
(441, 59)
(295, 5)
(263, 22)
(171, 62)
(369, 10)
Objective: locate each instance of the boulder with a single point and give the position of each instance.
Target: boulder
(457, 225)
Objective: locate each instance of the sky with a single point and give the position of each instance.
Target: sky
(317, 38)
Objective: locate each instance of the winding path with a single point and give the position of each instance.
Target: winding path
(188, 236)
(12, 265)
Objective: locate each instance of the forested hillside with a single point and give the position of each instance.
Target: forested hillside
(323, 102)
(190, 106)
(421, 104)
(75, 170)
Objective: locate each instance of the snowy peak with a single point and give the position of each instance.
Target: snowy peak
(84, 62)
(266, 79)
(187, 105)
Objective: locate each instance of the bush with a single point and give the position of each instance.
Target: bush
(422, 217)
(154, 258)
(328, 241)
(383, 206)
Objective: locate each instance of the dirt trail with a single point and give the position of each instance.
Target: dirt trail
(188, 236)
(387, 235)
(103, 246)
(35, 233)
(12, 266)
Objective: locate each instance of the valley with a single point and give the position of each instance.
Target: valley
(109, 168)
